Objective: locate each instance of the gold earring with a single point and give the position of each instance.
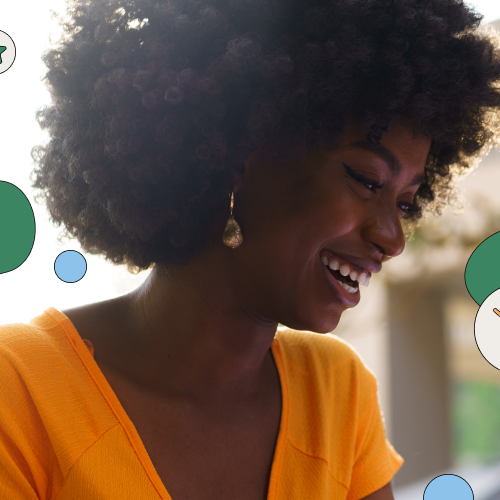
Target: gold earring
(232, 236)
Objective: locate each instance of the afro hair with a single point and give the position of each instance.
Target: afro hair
(156, 105)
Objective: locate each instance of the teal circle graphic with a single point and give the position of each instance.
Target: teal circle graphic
(448, 487)
(482, 272)
(70, 266)
(17, 227)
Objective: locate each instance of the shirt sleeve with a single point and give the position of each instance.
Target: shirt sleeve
(376, 461)
(20, 470)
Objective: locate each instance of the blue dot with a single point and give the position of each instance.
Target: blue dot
(70, 266)
(448, 487)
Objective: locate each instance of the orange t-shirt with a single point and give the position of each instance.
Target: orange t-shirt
(65, 436)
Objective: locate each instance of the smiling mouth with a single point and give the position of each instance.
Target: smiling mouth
(342, 271)
(343, 279)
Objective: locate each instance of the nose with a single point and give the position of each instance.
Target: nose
(384, 231)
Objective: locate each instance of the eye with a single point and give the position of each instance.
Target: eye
(370, 184)
(409, 209)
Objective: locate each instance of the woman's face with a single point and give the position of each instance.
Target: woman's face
(341, 208)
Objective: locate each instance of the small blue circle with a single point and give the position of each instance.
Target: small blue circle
(70, 266)
(448, 487)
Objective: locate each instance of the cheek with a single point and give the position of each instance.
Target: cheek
(289, 224)
(334, 212)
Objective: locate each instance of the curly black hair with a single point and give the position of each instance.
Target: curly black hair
(157, 105)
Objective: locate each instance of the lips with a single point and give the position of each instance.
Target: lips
(343, 274)
(337, 291)
(358, 264)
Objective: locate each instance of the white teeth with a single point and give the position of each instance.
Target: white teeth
(334, 265)
(350, 289)
(344, 270)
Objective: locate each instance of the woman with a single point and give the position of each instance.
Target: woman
(261, 157)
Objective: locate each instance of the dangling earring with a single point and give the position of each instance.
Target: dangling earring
(232, 236)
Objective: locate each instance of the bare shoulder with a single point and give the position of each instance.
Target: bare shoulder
(87, 319)
(384, 493)
(101, 323)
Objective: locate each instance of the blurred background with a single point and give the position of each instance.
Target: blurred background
(414, 326)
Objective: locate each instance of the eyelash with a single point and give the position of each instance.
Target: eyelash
(410, 209)
(366, 181)
(374, 186)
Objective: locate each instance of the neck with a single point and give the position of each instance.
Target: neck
(198, 333)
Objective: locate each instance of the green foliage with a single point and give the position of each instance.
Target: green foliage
(476, 422)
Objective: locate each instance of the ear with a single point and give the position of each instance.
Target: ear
(237, 186)
(238, 178)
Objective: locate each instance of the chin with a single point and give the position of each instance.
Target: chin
(318, 325)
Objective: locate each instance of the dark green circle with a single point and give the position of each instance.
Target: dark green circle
(17, 227)
(482, 272)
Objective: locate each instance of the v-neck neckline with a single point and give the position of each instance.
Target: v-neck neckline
(95, 372)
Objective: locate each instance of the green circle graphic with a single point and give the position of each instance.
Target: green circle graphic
(482, 274)
(17, 227)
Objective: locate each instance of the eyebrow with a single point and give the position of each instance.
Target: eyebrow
(386, 155)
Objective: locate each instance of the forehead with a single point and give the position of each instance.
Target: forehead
(400, 147)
